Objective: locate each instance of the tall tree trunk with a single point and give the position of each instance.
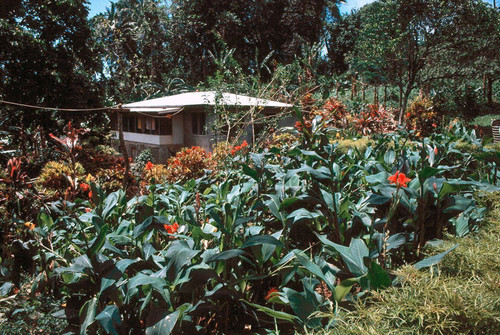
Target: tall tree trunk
(485, 89)
(489, 89)
(400, 96)
(375, 95)
(353, 88)
(363, 89)
(385, 95)
(404, 103)
(123, 148)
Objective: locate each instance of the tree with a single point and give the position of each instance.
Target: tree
(135, 49)
(46, 59)
(405, 40)
(254, 29)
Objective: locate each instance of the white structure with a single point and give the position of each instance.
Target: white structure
(166, 124)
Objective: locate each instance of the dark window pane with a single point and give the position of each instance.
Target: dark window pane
(194, 122)
(201, 123)
(165, 126)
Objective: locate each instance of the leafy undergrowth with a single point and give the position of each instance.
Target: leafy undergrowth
(462, 296)
(21, 313)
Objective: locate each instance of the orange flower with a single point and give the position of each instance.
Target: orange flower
(171, 228)
(30, 225)
(271, 293)
(90, 194)
(399, 179)
(149, 166)
(239, 147)
(436, 151)
(85, 187)
(87, 210)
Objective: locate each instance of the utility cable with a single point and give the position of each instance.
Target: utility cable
(59, 109)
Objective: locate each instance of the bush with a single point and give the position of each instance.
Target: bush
(189, 163)
(154, 172)
(140, 162)
(422, 116)
(54, 176)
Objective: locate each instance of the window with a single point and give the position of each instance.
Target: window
(139, 124)
(166, 126)
(198, 123)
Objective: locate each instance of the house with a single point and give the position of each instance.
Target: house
(164, 125)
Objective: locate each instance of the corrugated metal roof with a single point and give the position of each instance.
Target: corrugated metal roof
(201, 99)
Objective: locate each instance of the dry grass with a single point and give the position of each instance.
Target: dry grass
(462, 296)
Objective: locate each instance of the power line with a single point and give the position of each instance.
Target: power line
(58, 109)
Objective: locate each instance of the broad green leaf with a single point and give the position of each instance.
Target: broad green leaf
(5, 288)
(109, 317)
(274, 204)
(45, 220)
(146, 279)
(261, 239)
(99, 241)
(271, 312)
(287, 202)
(378, 277)
(225, 255)
(302, 214)
(353, 255)
(433, 260)
(303, 304)
(343, 289)
(87, 315)
(457, 204)
(110, 203)
(379, 178)
(396, 240)
(389, 157)
(252, 173)
(428, 172)
(453, 186)
(313, 268)
(165, 325)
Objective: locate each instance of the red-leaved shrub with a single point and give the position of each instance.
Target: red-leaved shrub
(189, 163)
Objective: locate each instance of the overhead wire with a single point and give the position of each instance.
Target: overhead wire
(58, 109)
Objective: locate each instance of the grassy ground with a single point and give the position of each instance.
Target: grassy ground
(461, 296)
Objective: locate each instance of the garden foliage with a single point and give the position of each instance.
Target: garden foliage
(269, 240)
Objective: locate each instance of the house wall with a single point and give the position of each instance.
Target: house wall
(178, 128)
(163, 146)
(191, 139)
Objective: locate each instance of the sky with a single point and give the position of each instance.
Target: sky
(99, 6)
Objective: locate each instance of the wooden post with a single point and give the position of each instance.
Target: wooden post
(122, 147)
(385, 95)
(489, 89)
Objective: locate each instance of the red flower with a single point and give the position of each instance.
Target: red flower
(171, 228)
(271, 293)
(90, 194)
(300, 126)
(84, 187)
(399, 179)
(436, 151)
(149, 166)
(239, 147)
(87, 209)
